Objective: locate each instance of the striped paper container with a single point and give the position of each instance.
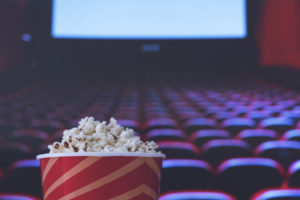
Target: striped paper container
(101, 176)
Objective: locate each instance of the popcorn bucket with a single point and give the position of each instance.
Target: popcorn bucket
(101, 176)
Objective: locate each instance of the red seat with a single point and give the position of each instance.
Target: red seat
(197, 195)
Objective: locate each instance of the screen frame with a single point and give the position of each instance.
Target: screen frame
(99, 53)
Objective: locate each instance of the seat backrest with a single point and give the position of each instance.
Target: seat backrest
(293, 134)
(23, 172)
(197, 195)
(244, 176)
(254, 137)
(293, 175)
(13, 196)
(165, 134)
(181, 174)
(216, 151)
(200, 137)
(277, 194)
(284, 152)
(178, 149)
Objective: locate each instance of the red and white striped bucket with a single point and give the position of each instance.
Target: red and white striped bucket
(101, 176)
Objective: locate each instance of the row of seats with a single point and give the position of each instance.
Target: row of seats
(196, 123)
(211, 145)
(270, 194)
(241, 177)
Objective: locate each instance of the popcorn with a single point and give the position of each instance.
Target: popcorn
(95, 136)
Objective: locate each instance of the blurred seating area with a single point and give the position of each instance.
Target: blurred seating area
(243, 131)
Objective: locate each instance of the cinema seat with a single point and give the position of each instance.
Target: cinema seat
(255, 137)
(221, 116)
(258, 115)
(236, 125)
(284, 152)
(292, 114)
(197, 195)
(278, 124)
(29, 137)
(48, 126)
(216, 151)
(175, 149)
(11, 151)
(294, 174)
(165, 134)
(1, 180)
(181, 174)
(160, 123)
(244, 176)
(199, 138)
(15, 196)
(130, 123)
(277, 194)
(293, 135)
(192, 125)
(24, 176)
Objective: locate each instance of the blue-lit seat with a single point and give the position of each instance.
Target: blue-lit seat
(236, 125)
(130, 123)
(181, 174)
(197, 195)
(165, 134)
(292, 114)
(293, 134)
(258, 115)
(11, 151)
(284, 152)
(32, 138)
(274, 110)
(221, 116)
(49, 126)
(175, 149)
(244, 176)
(196, 124)
(24, 176)
(254, 137)
(216, 151)
(278, 124)
(277, 194)
(199, 138)
(161, 123)
(294, 174)
(13, 196)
